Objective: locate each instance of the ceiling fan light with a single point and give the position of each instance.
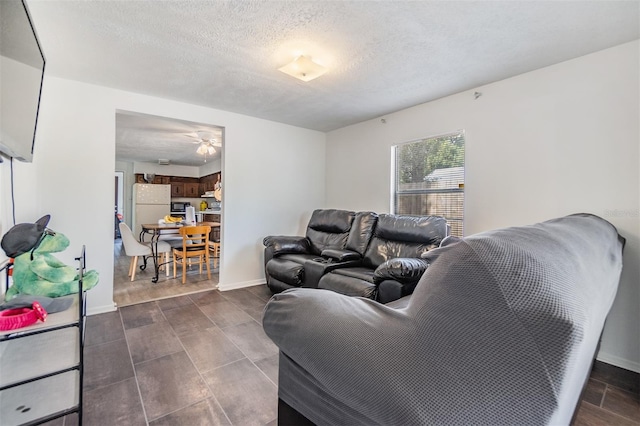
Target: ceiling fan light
(211, 150)
(202, 149)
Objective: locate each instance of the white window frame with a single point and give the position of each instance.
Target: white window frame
(427, 191)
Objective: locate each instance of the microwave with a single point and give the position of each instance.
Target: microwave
(180, 206)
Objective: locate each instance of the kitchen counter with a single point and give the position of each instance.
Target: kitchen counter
(204, 215)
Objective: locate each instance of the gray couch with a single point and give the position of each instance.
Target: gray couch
(501, 329)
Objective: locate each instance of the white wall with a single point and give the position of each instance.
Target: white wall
(277, 177)
(210, 167)
(551, 142)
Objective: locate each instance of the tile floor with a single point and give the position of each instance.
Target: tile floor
(201, 359)
(127, 292)
(612, 397)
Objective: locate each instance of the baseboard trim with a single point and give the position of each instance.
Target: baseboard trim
(101, 309)
(618, 362)
(241, 284)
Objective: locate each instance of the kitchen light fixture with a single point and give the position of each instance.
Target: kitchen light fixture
(206, 148)
(303, 68)
(207, 144)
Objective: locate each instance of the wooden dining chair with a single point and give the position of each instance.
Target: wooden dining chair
(214, 241)
(214, 246)
(195, 243)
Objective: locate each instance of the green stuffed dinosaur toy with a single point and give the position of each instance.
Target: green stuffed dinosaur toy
(35, 270)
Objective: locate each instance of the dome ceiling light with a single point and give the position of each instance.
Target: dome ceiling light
(303, 68)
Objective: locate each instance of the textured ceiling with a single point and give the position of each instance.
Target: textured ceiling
(148, 138)
(382, 55)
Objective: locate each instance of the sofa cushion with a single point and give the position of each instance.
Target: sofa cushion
(403, 236)
(365, 274)
(329, 228)
(348, 284)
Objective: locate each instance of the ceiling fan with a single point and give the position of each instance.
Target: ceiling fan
(207, 143)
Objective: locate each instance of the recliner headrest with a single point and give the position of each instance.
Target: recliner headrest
(331, 220)
(415, 229)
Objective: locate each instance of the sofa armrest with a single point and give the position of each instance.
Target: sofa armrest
(281, 244)
(340, 255)
(406, 270)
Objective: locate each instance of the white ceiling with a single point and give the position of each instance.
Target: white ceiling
(148, 138)
(382, 56)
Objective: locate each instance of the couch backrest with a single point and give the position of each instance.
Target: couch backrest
(403, 236)
(361, 231)
(329, 228)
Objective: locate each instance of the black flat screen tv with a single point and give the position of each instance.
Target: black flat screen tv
(21, 73)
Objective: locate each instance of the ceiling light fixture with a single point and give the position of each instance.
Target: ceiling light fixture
(206, 148)
(303, 68)
(207, 144)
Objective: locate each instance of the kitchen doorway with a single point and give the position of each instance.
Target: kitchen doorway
(152, 150)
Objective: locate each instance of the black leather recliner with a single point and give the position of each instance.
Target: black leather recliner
(392, 265)
(354, 254)
(285, 256)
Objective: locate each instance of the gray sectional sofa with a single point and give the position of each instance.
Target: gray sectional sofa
(502, 328)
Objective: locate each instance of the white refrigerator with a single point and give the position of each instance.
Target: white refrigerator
(150, 204)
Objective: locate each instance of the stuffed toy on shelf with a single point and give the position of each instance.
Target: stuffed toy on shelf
(35, 270)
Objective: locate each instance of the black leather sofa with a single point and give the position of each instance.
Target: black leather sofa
(357, 254)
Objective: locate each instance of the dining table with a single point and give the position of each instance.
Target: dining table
(157, 229)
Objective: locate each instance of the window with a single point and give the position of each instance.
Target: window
(429, 178)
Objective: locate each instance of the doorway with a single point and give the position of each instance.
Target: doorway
(165, 151)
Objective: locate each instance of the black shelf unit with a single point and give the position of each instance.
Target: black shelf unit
(41, 366)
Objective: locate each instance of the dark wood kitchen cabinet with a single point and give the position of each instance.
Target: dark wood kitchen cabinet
(177, 189)
(187, 187)
(157, 180)
(208, 183)
(192, 189)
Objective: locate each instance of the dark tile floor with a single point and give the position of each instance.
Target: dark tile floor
(203, 359)
(612, 397)
(200, 359)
